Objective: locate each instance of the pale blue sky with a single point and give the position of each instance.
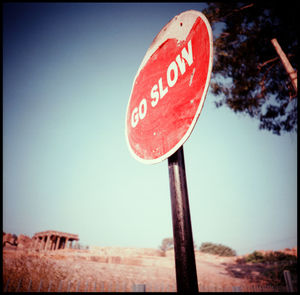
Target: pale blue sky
(67, 75)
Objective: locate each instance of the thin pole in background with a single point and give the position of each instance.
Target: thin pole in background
(287, 65)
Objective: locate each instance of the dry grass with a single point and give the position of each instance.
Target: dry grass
(114, 269)
(32, 267)
(72, 271)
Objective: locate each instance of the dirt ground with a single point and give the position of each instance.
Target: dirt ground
(118, 269)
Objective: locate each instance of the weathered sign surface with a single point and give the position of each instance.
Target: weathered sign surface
(169, 89)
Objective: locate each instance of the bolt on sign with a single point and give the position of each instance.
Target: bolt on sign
(169, 88)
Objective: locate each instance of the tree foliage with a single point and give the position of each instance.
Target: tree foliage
(217, 249)
(275, 264)
(272, 257)
(166, 244)
(248, 76)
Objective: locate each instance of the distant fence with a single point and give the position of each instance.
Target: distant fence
(20, 285)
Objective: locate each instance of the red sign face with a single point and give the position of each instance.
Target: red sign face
(170, 87)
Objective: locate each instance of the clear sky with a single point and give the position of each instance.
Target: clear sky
(67, 75)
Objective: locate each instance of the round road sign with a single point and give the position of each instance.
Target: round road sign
(169, 88)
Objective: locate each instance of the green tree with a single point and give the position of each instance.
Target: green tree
(248, 76)
(217, 249)
(166, 244)
(255, 257)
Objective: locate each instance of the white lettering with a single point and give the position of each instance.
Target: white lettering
(155, 95)
(171, 67)
(158, 92)
(188, 56)
(143, 103)
(162, 91)
(134, 117)
(181, 64)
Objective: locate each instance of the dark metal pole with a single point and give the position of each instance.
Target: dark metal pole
(186, 274)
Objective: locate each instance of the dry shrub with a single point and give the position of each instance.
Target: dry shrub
(28, 267)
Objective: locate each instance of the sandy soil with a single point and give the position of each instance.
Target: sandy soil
(117, 269)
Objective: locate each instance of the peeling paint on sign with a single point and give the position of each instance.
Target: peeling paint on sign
(170, 88)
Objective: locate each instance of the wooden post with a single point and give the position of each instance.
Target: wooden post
(288, 280)
(6, 286)
(40, 285)
(19, 285)
(288, 67)
(139, 288)
(29, 286)
(50, 284)
(186, 274)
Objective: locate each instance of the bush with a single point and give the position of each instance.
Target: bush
(272, 257)
(274, 273)
(217, 249)
(277, 262)
(34, 268)
(255, 257)
(166, 244)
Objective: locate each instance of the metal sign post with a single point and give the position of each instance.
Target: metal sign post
(166, 99)
(186, 274)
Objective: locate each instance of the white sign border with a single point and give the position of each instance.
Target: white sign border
(168, 32)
